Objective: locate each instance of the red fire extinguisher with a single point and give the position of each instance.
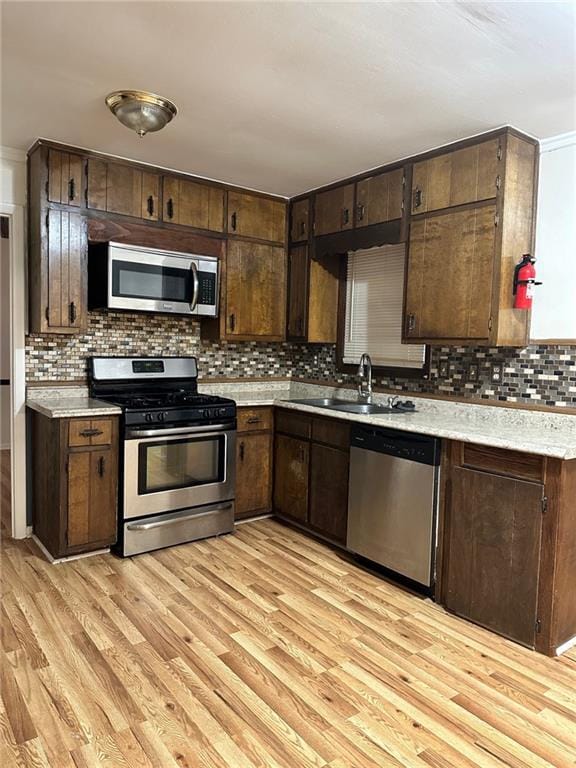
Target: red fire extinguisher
(524, 282)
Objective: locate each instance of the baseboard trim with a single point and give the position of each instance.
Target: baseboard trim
(566, 646)
(58, 560)
(254, 519)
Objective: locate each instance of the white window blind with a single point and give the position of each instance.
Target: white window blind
(374, 296)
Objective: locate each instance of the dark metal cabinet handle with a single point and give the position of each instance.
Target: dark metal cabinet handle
(300, 326)
(410, 322)
(302, 227)
(71, 189)
(150, 205)
(91, 432)
(232, 322)
(170, 208)
(361, 209)
(253, 420)
(241, 451)
(345, 216)
(417, 194)
(101, 466)
(233, 221)
(72, 312)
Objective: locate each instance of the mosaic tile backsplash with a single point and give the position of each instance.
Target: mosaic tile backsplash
(536, 374)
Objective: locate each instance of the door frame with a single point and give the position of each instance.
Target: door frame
(15, 214)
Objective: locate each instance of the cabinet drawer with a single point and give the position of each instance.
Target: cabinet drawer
(292, 423)
(331, 432)
(255, 419)
(82, 432)
(524, 466)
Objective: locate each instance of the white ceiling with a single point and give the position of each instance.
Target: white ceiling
(284, 97)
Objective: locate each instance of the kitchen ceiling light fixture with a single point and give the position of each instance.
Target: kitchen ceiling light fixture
(141, 111)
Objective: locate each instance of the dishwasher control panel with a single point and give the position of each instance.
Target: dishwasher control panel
(405, 445)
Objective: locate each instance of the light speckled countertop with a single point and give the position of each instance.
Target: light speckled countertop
(547, 434)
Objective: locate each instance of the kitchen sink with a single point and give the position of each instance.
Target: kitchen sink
(349, 406)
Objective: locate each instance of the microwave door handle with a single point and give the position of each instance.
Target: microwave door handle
(196, 289)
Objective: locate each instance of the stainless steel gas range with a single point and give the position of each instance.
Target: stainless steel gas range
(177, 465)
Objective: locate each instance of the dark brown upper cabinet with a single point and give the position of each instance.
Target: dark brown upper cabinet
(461, 260)
(123, 189)
(466, 175)
(379, 198)
(312, 297)
(300, 221)
(193, 205)
(64, 178)
(255, 293)
(58, 274)
(334, 210)
(257, 217)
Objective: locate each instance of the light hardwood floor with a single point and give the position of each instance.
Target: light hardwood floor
(263, 648)
(5, 501)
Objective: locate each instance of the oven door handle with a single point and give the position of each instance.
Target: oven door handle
(174, 520)
(208, 429)
(196, 289)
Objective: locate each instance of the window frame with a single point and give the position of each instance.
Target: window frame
(378, 370)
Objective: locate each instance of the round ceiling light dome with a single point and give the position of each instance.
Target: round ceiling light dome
(141, 111)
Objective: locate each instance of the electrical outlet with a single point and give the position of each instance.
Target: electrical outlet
(443, 369)
(496, 373)
(472, 372)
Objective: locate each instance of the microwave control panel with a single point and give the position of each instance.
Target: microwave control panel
(207, 288)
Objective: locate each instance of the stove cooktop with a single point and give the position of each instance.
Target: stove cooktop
(165, 400)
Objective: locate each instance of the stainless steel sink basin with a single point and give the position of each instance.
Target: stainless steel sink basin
(348, 406)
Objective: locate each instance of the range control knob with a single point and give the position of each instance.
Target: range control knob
(161, 416)
(148, 417)
(222, 412)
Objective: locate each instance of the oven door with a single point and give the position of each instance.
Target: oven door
(156, 281)
(171, 469)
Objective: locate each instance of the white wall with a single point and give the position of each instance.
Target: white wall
(554, 308)
(13, 205)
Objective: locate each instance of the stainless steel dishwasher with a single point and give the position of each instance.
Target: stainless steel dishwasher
(393, 499)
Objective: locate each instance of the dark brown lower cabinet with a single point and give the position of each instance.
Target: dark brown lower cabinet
(311, 473)
(75, 486)
(507, 555)
(253, 462)
(291, 465)
(328, 512)
(494, 542)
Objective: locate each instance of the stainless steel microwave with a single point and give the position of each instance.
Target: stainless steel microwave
(139, 279)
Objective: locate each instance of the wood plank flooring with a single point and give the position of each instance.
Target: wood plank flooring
(5, 498)
(263, 648)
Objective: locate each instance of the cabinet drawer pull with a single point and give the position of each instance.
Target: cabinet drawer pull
(71, 189)
(233, 221)
(170, 208)
(150, 205)
(417, 194)
(101, 465)
(72, 312)
(232, 322)
(91, 432)
(241, 451)
(361, 211)
(253, 420)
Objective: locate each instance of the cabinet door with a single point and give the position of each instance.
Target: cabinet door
(297, 291)
(328, 513)
(379, 198)
(334, 210)
(255, 290)
(449, 277)
(259, 217)
(92, 483)
(493, 551)
(65, 288)
(64, 177)
(291, 462)
(253, 473)
(299, 220)
(465, 176)
(193, 205)
(123, 189)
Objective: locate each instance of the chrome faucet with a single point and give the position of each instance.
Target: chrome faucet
(365, 375)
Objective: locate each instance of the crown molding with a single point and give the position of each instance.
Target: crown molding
(558, 142)
(8, 153)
